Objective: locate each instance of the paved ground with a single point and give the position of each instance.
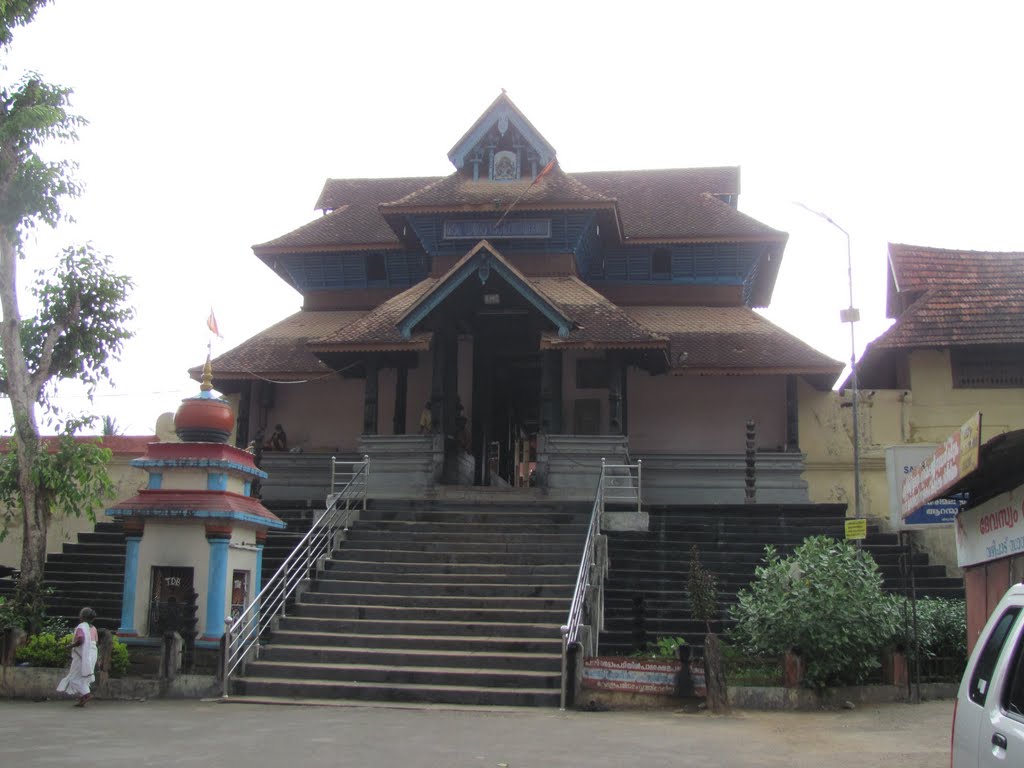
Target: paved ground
(173, 734)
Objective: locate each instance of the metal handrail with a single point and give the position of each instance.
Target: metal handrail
(242, 634)
(571, 628)
(609, 488)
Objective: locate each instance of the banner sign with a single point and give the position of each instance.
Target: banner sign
(477, 229)
(950, 462)
(991, 530)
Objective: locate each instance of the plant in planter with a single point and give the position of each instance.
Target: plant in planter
(825, 604)
(702, 587)
(47, 649)
(662, 648)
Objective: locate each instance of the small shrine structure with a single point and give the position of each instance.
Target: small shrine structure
(194, 534)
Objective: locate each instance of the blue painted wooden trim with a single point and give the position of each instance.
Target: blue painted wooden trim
(482, 259)
(217, 481)
(199, 464)
(201, 514)
(131, 577)
(537, 142)
(258, 576)
(156, 481)
(216, 586)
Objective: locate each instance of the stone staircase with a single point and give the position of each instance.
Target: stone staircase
(445, 602)
(645, 595)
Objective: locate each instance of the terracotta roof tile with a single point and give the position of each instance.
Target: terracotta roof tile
(600, 324)
(281, 351)
(352, 218)
(378, 328)
(723, 339)
(677, 203)
(458, 192)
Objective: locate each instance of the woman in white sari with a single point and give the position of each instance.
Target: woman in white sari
(83, 659)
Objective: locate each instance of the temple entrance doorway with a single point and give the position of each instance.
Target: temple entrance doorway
(506, 404)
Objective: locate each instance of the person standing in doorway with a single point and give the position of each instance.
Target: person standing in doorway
(83, 659)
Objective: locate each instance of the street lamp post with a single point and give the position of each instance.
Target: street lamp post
(849, 315)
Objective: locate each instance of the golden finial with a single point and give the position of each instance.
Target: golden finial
(207, 384)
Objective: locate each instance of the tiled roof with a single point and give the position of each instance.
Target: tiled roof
(677, 203)
(199, 504)
(667, 204)
(459, 192)
(732, 339)
(599, 324)
(352, 218)
(915, 269)
(281, 351)
(377, 330)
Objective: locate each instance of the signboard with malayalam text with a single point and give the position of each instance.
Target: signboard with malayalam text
(991, 530)
(900, 461)
(951, 461)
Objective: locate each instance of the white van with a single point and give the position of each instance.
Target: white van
(988, 717)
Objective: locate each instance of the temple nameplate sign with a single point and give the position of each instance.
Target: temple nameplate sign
(476, 229)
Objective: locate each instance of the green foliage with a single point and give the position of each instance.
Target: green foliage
(702, 587)
(83, 301)
(110, 426)
(10, 616)
(17, 13)
(118, 659)
(941, 627)
(46, 650)
(741, 669)
(73, 478)
(824, 602)
(662, 648)
(53, 649)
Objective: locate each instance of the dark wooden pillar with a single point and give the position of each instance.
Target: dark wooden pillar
(615, 413)
(370, 398)
(792, 415)
(401, 396)
(242, 422)
(451, 380)
(437, 382)
(551, 392)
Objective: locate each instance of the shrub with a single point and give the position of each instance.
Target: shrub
(824, 602)
(941, 627)
(662, 648)
(48, 650)
(10, 616)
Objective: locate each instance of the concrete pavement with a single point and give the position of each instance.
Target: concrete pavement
(176, 734)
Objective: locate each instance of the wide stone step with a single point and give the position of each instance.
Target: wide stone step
(472, 517)
(468, 695)
(448, 575)
(498, 588)
(496, 614)
(61, 564)
(412, 657)
(399, 626)
(402, 538)
(456, 529)
(494, 559)
(557, 549)
(465, 569)
(406, 675)
(547, 644)
(560, 603)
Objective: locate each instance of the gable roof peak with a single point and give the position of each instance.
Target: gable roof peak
(502, 113)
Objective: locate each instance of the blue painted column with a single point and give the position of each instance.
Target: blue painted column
(257, 578)
(131, 577)
(217, 582)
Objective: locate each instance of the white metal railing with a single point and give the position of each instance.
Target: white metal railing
(616, 486)
(347, 495)
(620, 485)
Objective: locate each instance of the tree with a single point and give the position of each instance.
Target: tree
(702, 587)
(81, 319)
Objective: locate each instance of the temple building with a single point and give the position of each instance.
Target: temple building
(513, 322)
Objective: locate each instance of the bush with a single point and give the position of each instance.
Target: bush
(825, 603)
(941, 627)
(663, 648)
(10, 616)
(48, 650)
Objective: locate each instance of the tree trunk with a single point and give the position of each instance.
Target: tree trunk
(714, 675)
(20, 390)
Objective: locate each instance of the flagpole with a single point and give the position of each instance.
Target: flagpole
(546, 170)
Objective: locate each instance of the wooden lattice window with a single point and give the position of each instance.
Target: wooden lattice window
(987, 368)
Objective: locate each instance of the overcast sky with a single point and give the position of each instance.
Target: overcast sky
(214, 125)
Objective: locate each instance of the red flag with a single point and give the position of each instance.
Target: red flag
(546, 170)
(211, 323)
